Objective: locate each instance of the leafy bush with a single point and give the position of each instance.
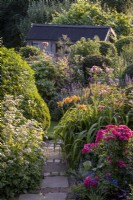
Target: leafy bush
(85, 13)
(95, 60)
(52, 76)
(128, 71)
(18, 79)
(99, 105)
(20, 147)
(28, 51)
(84, 48)
(107, 48)
(123, 42)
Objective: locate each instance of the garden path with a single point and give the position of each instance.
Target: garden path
(55, 182)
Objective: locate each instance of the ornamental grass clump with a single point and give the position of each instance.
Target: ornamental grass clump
(20, 150)
(110, 161)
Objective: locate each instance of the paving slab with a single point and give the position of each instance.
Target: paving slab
(31, 197)
(51, 154)
(55, 196)
(54, 182)
(54, 167)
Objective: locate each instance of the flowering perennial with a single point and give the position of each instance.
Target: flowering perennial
(88, 147)
(114, 132)
(89, 182)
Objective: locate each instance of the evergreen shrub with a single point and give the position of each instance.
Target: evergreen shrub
(18, 79)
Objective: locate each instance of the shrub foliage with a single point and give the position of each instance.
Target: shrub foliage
(18, 79)
(21, 155)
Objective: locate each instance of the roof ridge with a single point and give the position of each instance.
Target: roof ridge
(67, 26)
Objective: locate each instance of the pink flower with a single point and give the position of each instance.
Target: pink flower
(45, 44)
(109, 160)
(100, 107)
(88, 147)
(121, 164)
(89, 182)
(100, 135)
(110, 126)
(95, 69)
(103, 92)
(120, 132)
(108, 70)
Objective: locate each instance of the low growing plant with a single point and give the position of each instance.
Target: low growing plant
(20, 150)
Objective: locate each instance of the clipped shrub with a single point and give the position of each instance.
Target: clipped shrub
(28, 51)
(20, 150)
(128, 71)
(107, 48)
(18, 79)
(123, 42)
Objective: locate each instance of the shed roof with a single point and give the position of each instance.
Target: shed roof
(52, 32)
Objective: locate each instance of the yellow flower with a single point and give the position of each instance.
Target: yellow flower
(68, 100)
(82, 106)
(75, 98)
(60, 103)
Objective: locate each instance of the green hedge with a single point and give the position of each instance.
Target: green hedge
(18, 79)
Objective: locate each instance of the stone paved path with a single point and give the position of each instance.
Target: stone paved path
(55, 184)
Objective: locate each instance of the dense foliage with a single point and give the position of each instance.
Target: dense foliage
(119, 5)
(20, 149)
(123, 43)
(52, 76)
(84, 13)
(107, 48)
(84, 48)
(11, 13)
(128, 71)
(18, 79)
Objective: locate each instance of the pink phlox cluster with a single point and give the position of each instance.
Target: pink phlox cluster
(103, 92)
(109, 70)
(100, 135)
(95, 69)
(113, 132)
(91, 182)
(121, 164)
(88, 147)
